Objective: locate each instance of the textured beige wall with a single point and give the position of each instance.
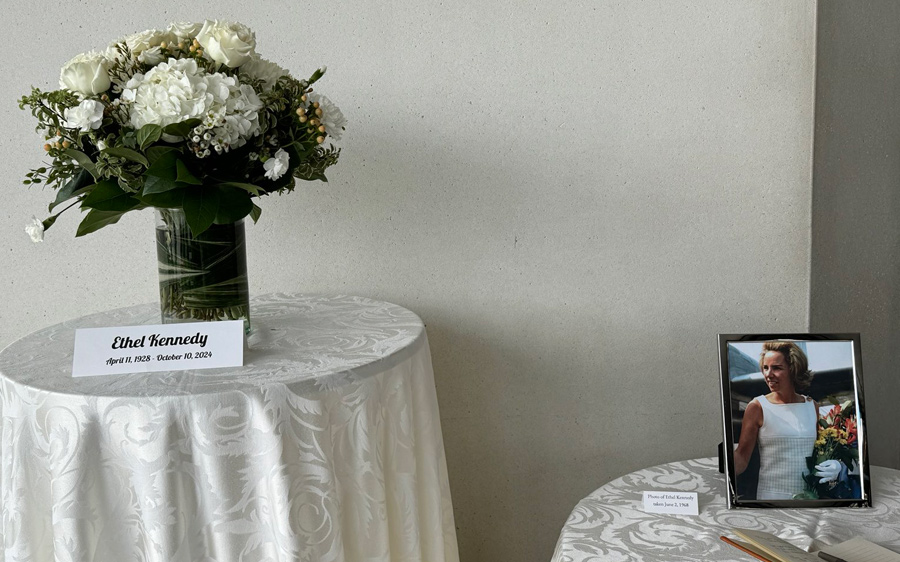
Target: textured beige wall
(856, 200)
(575, 196)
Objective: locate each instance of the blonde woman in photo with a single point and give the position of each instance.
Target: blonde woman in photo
(783, 423)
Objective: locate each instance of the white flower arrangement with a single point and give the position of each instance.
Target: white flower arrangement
(188, 117)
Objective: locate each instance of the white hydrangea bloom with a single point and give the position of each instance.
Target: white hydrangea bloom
(332, 117)
(265, 70)
(86, 116)
(242, 116)
(178, 90)
(231, 123)
(277, 165)
(170, 92)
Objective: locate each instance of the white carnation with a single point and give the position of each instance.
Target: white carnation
(265, 70)
(227, 43)
(85, 116)
(277, 165)
(35, 230)
(332, 117)
(86, 74)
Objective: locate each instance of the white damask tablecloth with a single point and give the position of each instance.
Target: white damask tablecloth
(610, 525)
(325, 446)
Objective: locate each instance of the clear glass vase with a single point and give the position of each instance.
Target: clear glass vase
(201, 279)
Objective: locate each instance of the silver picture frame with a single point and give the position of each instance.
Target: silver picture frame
(767, 475)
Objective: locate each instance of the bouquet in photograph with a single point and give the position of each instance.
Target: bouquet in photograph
(837, 440)
(188, 118)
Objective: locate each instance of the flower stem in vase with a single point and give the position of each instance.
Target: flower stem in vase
(202, 278)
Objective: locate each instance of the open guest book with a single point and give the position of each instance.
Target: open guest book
(769, 548)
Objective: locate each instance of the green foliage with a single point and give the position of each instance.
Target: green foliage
(314, 167)
(95, 220)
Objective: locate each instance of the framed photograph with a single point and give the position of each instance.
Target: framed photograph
(794, 420)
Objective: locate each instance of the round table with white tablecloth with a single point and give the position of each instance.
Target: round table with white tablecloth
(325, 446)
(611, 525)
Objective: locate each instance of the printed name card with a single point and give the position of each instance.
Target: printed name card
(165, 347)
(679, 503)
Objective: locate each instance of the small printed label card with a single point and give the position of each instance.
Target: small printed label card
(679, 503)
(165, 347)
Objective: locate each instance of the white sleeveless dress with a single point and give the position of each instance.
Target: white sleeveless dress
(786, 438)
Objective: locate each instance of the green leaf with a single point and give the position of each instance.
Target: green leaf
(182, 129)
(234, 204)
(156, 184)
(315, 177)
(160, 176)
(302, 152)
(200, 208)
(183, 175)
(255, 213)
(148, 134)
(107, 196)
(164, 167)
(83, 160)
(95, 220)
(172, 199)
(248, 187)
(127, 154)
(72, 188)
(154, 153)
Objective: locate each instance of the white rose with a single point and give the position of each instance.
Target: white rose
(151, 56)
(262, 69)
(35, 229)
(86, 74)
(332, 118)
(227, 43)
(184, 30)
(111, 53)
(140, 42)
(277, 165)
(85, 116)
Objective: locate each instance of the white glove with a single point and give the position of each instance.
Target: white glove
(828, 471)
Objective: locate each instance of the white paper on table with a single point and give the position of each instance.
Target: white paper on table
(163, 347)
(859, 549)
(677, 503)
